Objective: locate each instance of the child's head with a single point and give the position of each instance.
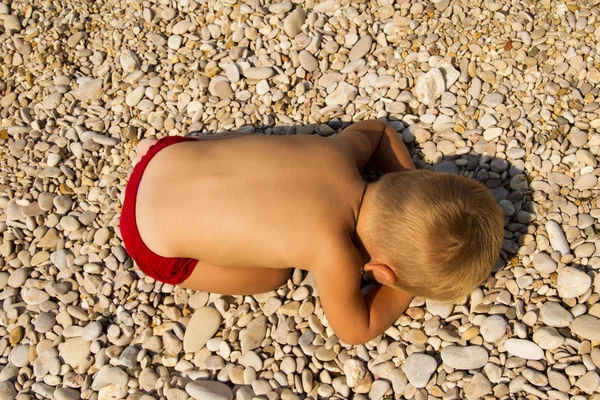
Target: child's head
(440, 233)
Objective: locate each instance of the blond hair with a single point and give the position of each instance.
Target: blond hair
(440, 232)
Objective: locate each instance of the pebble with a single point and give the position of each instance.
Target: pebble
(135, 96)
(355, 371)
(553, 314)
(572, 282)
(258, 73)
(90, 89)
(430, 86)
(308, 61)
(589, 382)
(478, 387)
(440, 309)
(586, 326)
(419, 368)
(361, 48)
(586, 182)
(254, 334)
(203, 325)
(378, 389)
(292, 24)
(19, 356)
(35, 296)
(7, 389)
(174, 42)
(464, 358)
(557, 237)
(493, 99)
(220, 87)
(544, 264)
(74, 351)
(108, 375)
(209, 390)
(524, 348)
(343, 94)
(548, 338)
(493, 328)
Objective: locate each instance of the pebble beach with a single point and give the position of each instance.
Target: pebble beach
(503, 92)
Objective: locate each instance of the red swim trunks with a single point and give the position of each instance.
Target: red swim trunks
(168, 270)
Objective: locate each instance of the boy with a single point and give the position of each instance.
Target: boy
(232, 213)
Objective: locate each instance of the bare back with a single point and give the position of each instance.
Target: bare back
(252, 201)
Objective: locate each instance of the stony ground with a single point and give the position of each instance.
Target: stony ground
(503, 92)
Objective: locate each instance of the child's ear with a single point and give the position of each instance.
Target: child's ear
(381, 272)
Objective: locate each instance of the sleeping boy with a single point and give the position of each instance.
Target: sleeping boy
(233, 213)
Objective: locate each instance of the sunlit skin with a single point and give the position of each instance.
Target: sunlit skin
(251, 207)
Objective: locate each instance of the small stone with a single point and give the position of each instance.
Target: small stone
(572, 282)
(108, 375)
(64, 393)
(308, 61)
(232, 72)
(172, 344)
(558, 241)
(493, 99)
(465, 358)
(182, 27)
(101, 236)
(44, 322)
(203, 325)
(18, 277)
(292, 24)
(355, 371)
(69, 223)
(19, 356)
(419, 368)
(90, 89)
(589, 382)
(379, 388)
(53, 101)
(524, 349)
(220, 87)
(35, 296)
(258, 73)
(493, 328)
(75, 351)
(558, 381)
(553, 314)
(281, 7)
(586, 326)
(586, 182)
(12, 23)
(209, 390)
(147, 379)
(361, 48)
(254, 334)
(343, 94)
(548, 338)
(129, 61)
(175, 42)
(478, 387)
(441, 309)
(544, 264)
(430, 86)
(7, 389)
(450, 73)
(135, 96)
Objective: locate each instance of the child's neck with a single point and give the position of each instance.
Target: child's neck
(360, 240)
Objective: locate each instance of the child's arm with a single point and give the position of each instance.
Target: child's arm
(377, 143)
(354, 316)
